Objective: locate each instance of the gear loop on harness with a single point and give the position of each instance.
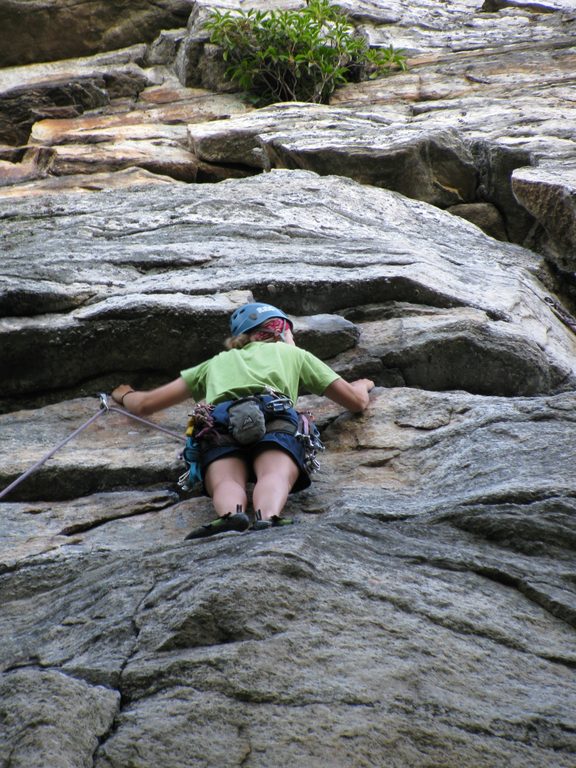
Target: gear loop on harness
(200, 424)
(279, 403)
(309, 434)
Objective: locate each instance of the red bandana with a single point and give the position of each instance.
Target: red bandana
(273, 327)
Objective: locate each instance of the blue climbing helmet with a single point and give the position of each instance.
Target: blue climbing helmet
(250, 316)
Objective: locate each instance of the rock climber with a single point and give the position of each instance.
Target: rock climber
(246, 429)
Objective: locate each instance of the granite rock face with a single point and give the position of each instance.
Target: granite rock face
(467, 312)
(420, 231)
(433, 556)
(488, 91)
(62, 29)
(422, 609)
(550, 195)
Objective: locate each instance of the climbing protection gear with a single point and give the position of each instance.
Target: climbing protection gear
(200, 424)
(237, 522)
(104, 408)
(250, 316)
(272, 522)
(124, 412)
(308, 433)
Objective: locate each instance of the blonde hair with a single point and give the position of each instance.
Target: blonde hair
(237, 342)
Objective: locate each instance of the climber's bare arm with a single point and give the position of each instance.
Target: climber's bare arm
(143, 403)
(352, 395)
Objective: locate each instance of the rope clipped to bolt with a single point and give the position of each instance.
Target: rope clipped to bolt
(104, 408)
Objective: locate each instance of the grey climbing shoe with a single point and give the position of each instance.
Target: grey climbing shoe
(238, 522)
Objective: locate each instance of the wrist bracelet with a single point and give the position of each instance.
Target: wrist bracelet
(124, 395)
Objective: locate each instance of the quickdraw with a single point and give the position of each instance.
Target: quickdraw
(200, 424)
(308, 433)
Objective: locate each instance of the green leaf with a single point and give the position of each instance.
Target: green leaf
(296, 55)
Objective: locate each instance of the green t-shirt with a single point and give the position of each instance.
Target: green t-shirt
(256, 367)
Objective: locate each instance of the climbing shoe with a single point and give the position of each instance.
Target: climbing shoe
(273, 522)
(238, 522)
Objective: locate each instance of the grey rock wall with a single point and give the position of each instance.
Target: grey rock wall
(432, 562)
(422, 610)
(161, 270)
(62, 29)
(487, 92)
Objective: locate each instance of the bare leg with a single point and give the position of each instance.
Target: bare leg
(225, 482)
(276, 472)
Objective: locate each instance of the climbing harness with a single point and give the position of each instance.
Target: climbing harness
(245, 421)
(249, 418)
(278, 403)
(104, 408)
(561, 313)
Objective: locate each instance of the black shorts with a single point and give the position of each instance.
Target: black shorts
(283, 441)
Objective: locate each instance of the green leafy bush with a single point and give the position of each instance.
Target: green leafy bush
(300, 55)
